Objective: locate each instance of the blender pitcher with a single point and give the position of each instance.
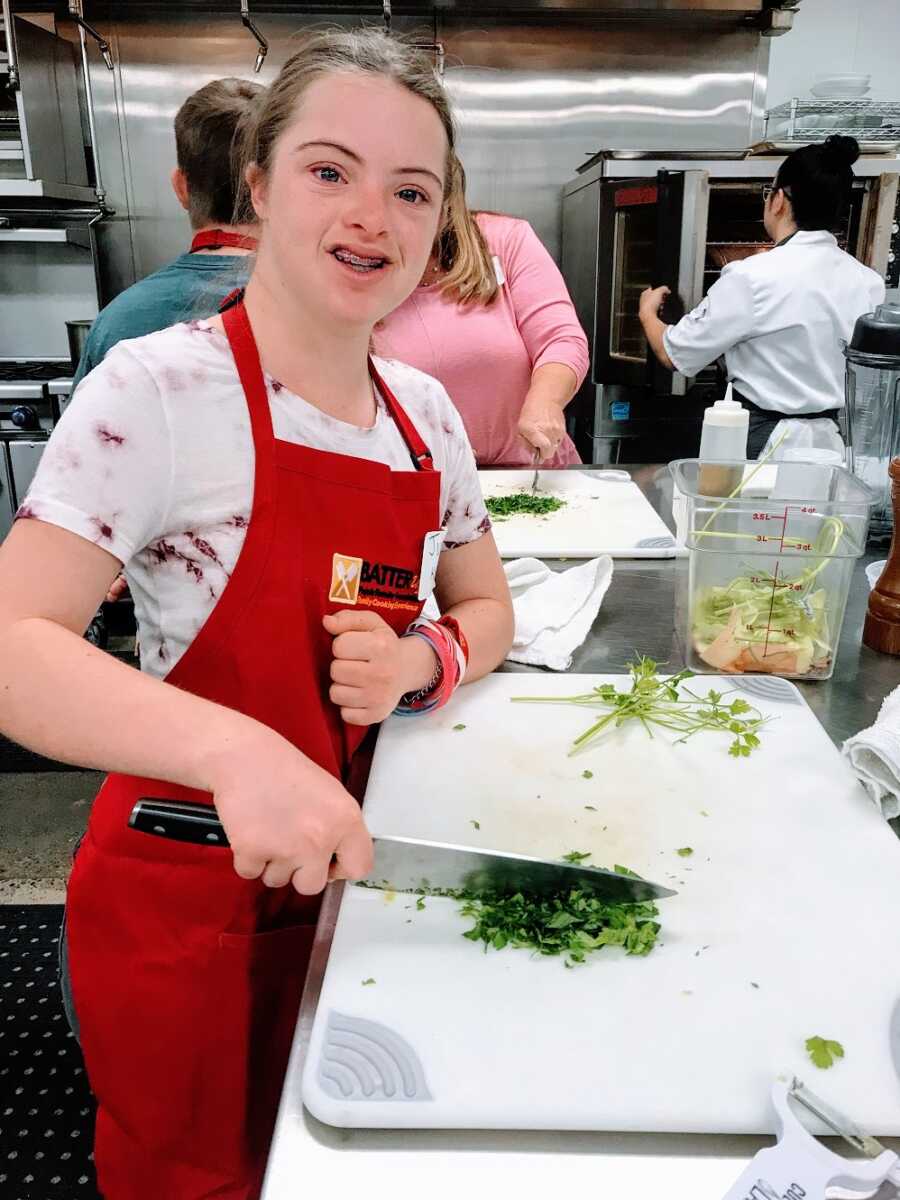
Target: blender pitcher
(870, 419)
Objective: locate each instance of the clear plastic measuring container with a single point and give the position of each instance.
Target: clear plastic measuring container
(770, 567)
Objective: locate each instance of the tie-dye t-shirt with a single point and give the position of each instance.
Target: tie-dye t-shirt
(153, 461)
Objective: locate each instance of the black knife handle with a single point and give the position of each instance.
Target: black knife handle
(178, 820)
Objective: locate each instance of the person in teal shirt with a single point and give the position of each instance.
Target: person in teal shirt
(195, 283)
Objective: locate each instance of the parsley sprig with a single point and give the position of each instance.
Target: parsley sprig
(667, 703)
(824, 1052)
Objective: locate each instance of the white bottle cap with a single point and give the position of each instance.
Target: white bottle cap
(727, 414)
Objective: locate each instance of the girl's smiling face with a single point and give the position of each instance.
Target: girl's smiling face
(353, 200)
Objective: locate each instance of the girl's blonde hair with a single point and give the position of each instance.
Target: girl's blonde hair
(461, 248)
(363, 52)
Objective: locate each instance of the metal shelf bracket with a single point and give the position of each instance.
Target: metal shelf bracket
(262, 44)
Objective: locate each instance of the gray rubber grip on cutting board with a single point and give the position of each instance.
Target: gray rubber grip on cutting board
(364, 1060)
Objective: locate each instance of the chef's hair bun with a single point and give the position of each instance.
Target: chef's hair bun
(817, 180)
(842, 151)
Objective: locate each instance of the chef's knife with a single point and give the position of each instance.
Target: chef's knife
(410, 865)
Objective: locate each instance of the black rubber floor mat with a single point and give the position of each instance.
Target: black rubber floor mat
(46, 1108)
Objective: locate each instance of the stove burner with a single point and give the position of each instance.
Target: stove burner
(34, 372)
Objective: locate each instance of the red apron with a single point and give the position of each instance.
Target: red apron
(186, 978)
(219, 239)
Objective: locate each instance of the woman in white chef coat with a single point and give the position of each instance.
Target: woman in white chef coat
(779, 318)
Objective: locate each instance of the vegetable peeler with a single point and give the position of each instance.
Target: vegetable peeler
(799, 1167)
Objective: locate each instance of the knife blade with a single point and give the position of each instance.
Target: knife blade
(535, 458)
(411, 865)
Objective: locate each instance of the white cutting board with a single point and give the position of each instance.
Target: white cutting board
(605, 513)
(794, 885)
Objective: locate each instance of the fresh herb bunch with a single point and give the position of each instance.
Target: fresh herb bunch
(501, 507)
(666, 703)
(573, 923)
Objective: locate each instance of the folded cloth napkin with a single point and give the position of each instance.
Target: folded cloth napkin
(554, 610)
(874, 755)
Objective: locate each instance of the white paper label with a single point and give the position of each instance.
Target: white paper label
(431, 553)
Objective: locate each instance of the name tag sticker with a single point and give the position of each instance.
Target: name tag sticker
(431, 553)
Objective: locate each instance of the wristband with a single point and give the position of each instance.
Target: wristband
(447, 628)
(448, 675)
(453, 625)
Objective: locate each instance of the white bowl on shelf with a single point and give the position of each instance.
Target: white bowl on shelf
(841, 87)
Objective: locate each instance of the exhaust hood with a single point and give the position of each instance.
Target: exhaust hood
(770, 16)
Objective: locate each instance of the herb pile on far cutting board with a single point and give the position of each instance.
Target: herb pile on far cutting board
(501, 507)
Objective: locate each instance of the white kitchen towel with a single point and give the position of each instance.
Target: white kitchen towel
(873, 572)
(874, 755)
(554, 610)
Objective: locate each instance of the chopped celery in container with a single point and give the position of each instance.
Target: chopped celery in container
(770, 622)
(770, 565)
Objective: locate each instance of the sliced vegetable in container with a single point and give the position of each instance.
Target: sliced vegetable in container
(772, 619)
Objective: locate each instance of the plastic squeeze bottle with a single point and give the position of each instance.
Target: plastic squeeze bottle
(724, 436)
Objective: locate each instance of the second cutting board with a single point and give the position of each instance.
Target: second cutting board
(604, 513)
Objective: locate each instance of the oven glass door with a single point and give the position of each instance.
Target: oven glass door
(633, 269)
(640, 236)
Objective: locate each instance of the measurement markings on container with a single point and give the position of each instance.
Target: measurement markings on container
(792, 543)
(771, 606)
(782, 538)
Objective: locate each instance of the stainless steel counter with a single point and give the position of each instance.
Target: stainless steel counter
(640, 614)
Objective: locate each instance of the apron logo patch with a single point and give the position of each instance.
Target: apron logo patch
(346, 573)
(374, 584)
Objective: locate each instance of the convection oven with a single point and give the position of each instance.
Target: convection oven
(639, 221)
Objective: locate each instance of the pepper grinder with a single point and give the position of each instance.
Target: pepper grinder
(882, 628)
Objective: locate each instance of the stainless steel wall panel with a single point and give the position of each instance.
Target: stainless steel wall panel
(532, 100)
(533, 103)
(41, 287)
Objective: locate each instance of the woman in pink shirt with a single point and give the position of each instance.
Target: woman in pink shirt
(493, 321)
